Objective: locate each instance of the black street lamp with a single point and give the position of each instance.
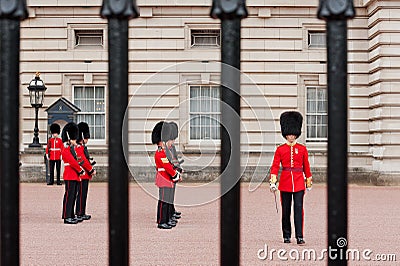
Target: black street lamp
(36, 94)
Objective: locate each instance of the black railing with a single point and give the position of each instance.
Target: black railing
(336, 14)
(11, 12)
(118, 13)
(231, 14)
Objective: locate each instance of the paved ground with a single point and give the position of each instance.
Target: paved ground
(374, 224)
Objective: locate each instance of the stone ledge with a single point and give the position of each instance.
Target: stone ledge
(251, 174)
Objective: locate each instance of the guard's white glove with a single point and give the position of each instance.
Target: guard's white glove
(176, 177)
(272, 187)
(309, 183)
(272, 183)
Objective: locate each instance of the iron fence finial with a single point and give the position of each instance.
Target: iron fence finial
(13, 9)
(228, 9)
(125, 9)
(336, 9)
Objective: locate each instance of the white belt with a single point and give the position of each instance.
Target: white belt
(160, 169)
(66, 164)
(55, 149)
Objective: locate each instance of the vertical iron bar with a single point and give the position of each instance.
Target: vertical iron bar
(336, 14)
(337, 137)
(118, 170)
(118, 13)
(9, 128)
(230, 13)
(230, 142)
(10, 16)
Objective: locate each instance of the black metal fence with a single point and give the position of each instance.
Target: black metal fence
(11, 12)
(118, 12)
(336, 14)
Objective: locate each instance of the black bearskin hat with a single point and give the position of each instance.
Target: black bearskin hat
(174, 130)
(291, 123)
(166, 132)
(55, 128)
(84, 132)
(162, 131)
(70, 131)
(156, 134)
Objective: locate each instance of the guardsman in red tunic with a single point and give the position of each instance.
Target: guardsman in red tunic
(83, 186)
(166, 176)
(53, 153)
(295, 176)
(172, 156)
(72, 172)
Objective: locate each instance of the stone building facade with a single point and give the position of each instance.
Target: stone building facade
(174, 73)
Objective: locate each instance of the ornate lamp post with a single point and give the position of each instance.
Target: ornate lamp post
(36, 95)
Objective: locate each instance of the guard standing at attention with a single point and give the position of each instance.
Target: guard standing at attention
(172, 156)
(83, 186)
(72, 172)
(295, 175)
(166, 175)
(53, 153)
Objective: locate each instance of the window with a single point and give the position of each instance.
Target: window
(91, 101)
(316, 39)
(205, 38)
(204, 113)
(88, 38)
(317, 114)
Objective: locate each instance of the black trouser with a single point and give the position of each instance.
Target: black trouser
(286, 201)
(81, 197)
(58, 166)
(164, 207)
(69, 199)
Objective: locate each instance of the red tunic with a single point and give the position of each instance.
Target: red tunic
(295, 166)
(165, 170)
(71, 165)
(87, 166)
(54, 148)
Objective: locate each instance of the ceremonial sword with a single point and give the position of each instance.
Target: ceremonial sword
(276, 205)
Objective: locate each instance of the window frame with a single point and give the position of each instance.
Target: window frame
(217, 36)
(316, 46)
(88, 32)
(87, 27)
(200, 26)
(92, 140)
(316, 139)
(197, 141)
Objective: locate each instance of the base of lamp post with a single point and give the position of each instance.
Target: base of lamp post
(35, 142)
(35, 145)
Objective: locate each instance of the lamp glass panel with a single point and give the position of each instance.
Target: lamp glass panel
(37, 97)
(32, 97)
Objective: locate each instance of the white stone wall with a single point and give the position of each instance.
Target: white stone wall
(384, 84)
(276, 64)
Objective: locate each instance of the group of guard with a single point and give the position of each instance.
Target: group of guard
(78, 168)
(169, 172)
(291, 157)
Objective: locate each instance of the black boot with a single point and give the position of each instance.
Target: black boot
(70, 221)
(164, 226)
(300, 241)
